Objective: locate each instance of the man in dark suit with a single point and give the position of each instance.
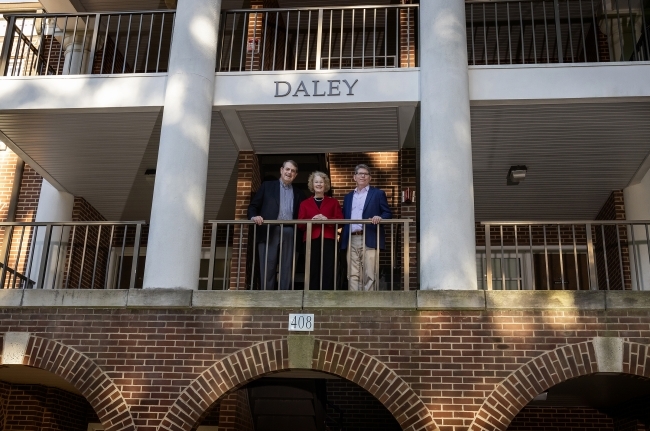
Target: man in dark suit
(276, 200)
(364, 203)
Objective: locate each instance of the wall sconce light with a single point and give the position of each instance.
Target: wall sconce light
(516, 174)
(150, 175)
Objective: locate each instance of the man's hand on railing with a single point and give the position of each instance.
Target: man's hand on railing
(258, 220)
(376, 220)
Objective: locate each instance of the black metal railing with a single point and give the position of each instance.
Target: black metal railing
(234, 263)
(318, 38)
(557, 31)
(564, 255)
(75, 255)
(77, 44)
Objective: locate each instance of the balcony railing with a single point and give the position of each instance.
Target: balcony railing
(315, 39)
(102, 43)
(234, 261)
(557, 31)
(83, 255)
(564, 255)
(109, 255)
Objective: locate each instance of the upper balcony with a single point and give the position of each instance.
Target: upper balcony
(571, 49)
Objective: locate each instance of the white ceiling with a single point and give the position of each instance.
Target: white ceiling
(102, 156)
(94, 154)
(322, 130)
(576, 155)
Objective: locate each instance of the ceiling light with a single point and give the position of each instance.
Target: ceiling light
(516, 174)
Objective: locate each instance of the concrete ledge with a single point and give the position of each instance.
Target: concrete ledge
(368, 300)
(451, 299)
(296, 300)
(617, 299)
(247, 299)
(11, 297)
(545, 300)
(75, 298)
(155, 298)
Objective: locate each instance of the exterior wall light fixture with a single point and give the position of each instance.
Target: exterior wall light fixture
(150, 175)
(516, 174)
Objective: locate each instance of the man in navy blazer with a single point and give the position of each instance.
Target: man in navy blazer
(364, 203)
(276, 200)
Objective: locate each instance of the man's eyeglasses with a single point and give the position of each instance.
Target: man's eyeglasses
(363, 174)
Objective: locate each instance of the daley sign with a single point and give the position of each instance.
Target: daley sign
(331, 87)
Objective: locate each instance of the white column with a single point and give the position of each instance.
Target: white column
(174, 247)
(637, 207)
(447, 239)
(53, 206)
(76, 53)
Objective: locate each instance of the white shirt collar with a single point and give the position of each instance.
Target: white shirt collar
(365, 189)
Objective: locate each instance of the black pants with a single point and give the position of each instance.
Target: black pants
(328, 264)
(280, 256)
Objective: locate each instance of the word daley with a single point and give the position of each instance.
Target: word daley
(332, 87)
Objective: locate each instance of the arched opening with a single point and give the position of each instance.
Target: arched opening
(600, 401)
(298, 401)
(33, 399)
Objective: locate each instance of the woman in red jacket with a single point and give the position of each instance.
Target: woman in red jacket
(320, 207)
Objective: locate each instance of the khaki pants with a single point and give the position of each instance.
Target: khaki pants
(362, 262)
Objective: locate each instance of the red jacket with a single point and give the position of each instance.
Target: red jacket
(330, 208)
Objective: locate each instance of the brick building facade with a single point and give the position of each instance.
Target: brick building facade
(456, 369)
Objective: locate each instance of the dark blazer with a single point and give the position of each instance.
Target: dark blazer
(266, 203)
(376, 205)
(330, 208)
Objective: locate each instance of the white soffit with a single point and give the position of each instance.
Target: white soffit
(92, 154)
(322, 130)
(576, 155)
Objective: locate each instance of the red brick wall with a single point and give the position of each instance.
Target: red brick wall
(409, 179)
(257, 30)
(537, 418)
(612, 209)
(5, 389)
(235, 412)
(248, 181)
(452, 360)
(41, 408)
(408, 35)
(86, 272)
(353, 408)
(30, 190)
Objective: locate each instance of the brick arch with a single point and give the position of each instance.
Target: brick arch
(268, 357)
(78, 370)
(545, 371)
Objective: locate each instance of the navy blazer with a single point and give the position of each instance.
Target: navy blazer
(376, 205)
(266, 203)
